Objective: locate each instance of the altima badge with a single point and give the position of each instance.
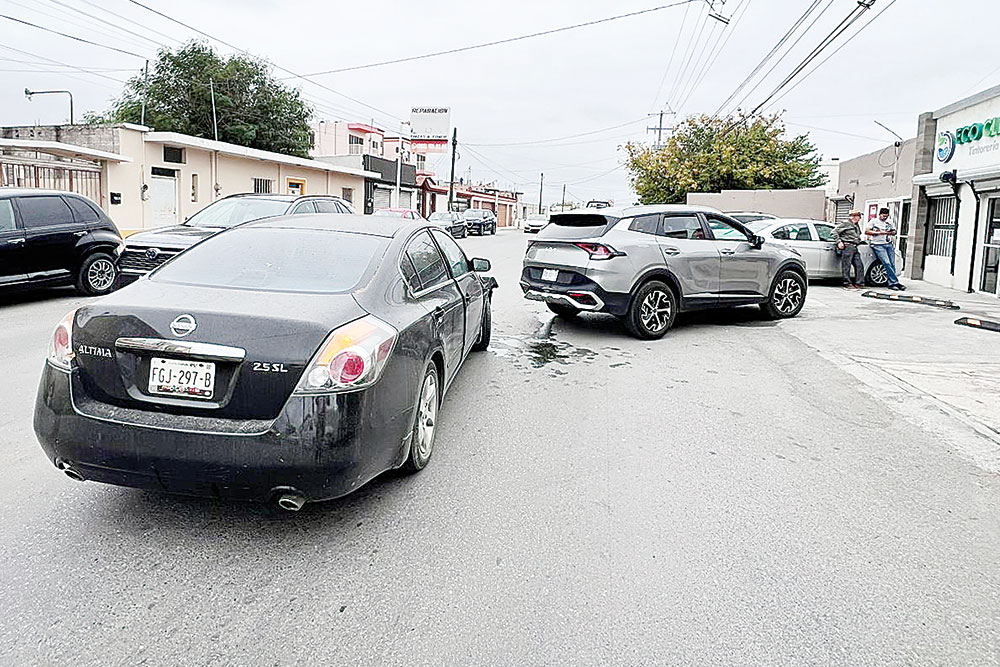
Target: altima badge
(183, 325)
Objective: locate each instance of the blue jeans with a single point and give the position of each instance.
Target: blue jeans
(886, 254)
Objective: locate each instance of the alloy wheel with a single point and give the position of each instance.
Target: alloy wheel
(787, 295)
(426, 417)
(655, 311)
(879, 276)
(101, 275)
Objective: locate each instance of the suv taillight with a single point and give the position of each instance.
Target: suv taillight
(352, 357)
(599, 250)
(61, 346)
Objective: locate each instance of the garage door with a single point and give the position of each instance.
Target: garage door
(383, 198)
(405, 199)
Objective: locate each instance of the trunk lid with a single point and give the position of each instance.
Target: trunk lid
(254, 344)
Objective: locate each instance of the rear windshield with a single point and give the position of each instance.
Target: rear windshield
(578, 220)
(231, 212)
(277, 260)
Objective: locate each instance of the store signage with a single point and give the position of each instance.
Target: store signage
(946, 146)
(430, 128)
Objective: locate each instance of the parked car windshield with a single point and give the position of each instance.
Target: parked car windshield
(756, 226)
(440, 217)
(474, 213)
(231, 212)
(276, 260)
(749, 217)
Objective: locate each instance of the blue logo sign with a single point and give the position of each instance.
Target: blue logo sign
(946, 146)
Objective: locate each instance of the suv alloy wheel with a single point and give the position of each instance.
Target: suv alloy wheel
(652, 311)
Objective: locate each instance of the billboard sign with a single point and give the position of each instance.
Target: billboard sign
(430, 128)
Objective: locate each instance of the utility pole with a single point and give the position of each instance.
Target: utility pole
(541, 187)
(215, 122)
(659, 128)
(564, 197)
(30, 93)
(145, 94)
(451, 181)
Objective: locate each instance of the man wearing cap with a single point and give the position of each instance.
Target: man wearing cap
(880, 232)
(847, 234)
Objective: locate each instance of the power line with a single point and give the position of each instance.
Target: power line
(825, 129)
(78, 39)
(770, 54)
(283, 69)
(135, 23)
(508, 40)
(59, 62)
(104, 21)
(688, 51)
(570, 136)
(695, 64)
(670, 62)
(835, 52)
(782, 57)
(61, 16)
(842, 27)
(717, 52)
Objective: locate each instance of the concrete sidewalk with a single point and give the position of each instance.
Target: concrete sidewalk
(915, 359)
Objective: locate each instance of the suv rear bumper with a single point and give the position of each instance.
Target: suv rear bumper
(582, 293)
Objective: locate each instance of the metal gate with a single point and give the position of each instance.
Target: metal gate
(83, 181)
(382, 198)
(942, 221)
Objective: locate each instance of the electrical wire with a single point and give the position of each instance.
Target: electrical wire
(294, 74)
(104, 21)
(61, 17)
(552, 139)
(732, 28)
(59, 62)
(825, 129)
(770, 54)
(498, 42)
(782, 57)
(700, 23)
(670, 62)
(835, 52)
(697, 62)
(78, 39)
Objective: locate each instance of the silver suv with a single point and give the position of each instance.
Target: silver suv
(644, 264)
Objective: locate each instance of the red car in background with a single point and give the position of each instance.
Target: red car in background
(405, 213)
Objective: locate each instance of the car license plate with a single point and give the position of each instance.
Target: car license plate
(550, 275)
(176, 377)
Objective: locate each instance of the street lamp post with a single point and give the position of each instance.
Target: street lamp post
(30, 93)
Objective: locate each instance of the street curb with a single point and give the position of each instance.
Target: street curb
(977, 323)
(937, 303)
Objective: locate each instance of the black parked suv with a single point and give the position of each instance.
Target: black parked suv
(147, 250)
(480, 221)
(49, 238)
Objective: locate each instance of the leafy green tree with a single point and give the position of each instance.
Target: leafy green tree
(253, 108)
(709, 154)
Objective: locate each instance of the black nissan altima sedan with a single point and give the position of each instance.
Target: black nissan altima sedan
(291, 360)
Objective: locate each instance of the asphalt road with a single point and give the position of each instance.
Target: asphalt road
(728, 495)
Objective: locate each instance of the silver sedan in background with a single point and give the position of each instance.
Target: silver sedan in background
(534, 223)
(813, 239)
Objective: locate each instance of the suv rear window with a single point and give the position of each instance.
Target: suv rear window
(578, 220)
(82, 210)
(43, 211)
(277, 260)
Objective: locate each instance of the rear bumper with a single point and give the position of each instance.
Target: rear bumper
(582, 294)
(319, 445)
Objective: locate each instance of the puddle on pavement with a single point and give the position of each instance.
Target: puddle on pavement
(539, 350)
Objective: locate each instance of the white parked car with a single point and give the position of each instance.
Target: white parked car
(534, 223)
(813, 239)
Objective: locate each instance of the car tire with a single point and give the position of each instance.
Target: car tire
(563, 311)
(876, 275)
(97, 274)
(787, 296)
(486, 332)
(652, 310)
(424, 422)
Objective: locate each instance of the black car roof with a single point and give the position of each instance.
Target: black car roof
(358, 224)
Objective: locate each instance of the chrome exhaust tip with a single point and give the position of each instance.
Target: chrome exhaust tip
(291, 502)
(70, 471)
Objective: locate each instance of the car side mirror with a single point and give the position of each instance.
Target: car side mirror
(756, 241)
(480, 265)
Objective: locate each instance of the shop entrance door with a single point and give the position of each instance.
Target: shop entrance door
(991, 251)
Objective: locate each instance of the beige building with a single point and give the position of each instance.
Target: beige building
(163, 178)
(807, 203)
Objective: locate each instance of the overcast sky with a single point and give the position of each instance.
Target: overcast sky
(919, 55)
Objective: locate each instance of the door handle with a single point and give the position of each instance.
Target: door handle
(15, 241)
(670, 250)
(728, 251)
(79, 233)
(438, 314)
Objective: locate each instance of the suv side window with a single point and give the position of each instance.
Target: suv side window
(82, 211)
(795, 232)
(683, 226)
(427, 261)
(457, 261)
(825, 232)
(723, 230)
(43, 211)
(645, 224)
(326, 206)
(6, 216)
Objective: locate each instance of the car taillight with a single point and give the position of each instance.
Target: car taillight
(352, 357)
(599, 250)
(61, 346)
